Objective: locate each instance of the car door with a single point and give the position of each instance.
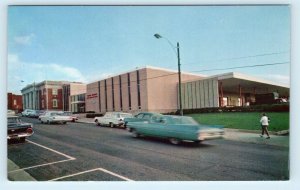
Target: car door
(155, 127)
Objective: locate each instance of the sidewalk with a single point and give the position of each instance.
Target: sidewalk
(86, 120)
(17, 176)
(253, 137)
(248, 136)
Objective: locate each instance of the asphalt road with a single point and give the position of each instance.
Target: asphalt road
(85, 152)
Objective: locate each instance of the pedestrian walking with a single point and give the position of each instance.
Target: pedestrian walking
(264, 121)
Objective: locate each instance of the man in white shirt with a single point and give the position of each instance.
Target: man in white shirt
(264, 125)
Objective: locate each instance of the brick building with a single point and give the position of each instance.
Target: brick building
(14, 102)
(46, 95)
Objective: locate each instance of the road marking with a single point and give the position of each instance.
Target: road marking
(70, 158)
(92, 170)
(36, 166)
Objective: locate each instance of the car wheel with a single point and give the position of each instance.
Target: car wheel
(42, 122)
(198, 142)
(111, 125)
(97, 122)
(135, 133)
(174, 141)
(64, 122)
(22, 139)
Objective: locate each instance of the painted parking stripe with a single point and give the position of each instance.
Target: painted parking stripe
(96, 169)
(57, 152)
(36, 166)
(70, 158)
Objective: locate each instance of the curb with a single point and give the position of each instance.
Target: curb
(88, 122)
(17, 176)
(278, 133)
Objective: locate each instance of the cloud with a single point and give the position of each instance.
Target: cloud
(19, 71)
(97, 76)
(281, 79)
(24, 40)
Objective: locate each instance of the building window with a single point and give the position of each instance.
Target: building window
(138, 88)
(54, 91)
(129, 93)
(54, 103)
(120, 83)
(15, 102)
(225, 101)
(113, 94)
(43, 104)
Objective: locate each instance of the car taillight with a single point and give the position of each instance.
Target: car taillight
(29, 130)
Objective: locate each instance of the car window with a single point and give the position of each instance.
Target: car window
(67, 113)
(147, 116)
(157, 119)
(124, 115)
(140, 116)
(55, 113)
(179, 120)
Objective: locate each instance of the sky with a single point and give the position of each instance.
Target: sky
(87, 43)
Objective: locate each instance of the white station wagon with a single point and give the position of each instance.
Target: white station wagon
(112, 119)
(55, 117)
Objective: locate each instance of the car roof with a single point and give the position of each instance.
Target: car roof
(150, 113)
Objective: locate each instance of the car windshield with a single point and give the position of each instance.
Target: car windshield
(13, 120)
(180, 120)
(55, 113)
(67, 113)
(124, 115)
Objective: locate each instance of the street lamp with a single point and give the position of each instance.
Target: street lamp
(158, 36)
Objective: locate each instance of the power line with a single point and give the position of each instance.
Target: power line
(247, 66)
(175, 73)
(243, 57)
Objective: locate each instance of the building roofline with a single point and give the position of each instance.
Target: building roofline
(37, 84)
(244, 77)
(145, 67)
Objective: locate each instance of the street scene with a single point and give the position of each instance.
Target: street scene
(82, 151)
(148, 93)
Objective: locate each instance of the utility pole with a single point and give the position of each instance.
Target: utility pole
(179, 71)
(179, 81)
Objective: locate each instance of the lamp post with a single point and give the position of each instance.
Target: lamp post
(179, 71)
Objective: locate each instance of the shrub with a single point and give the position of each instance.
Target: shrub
(252, 108)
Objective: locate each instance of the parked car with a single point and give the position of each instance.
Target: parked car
(16, 129)
(26, 112)
(68, 113)
(112, 119)
(141, 117)
(54, 117)
(33, 114)
(176, 129)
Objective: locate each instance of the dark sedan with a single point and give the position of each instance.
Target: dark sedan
(16, 129)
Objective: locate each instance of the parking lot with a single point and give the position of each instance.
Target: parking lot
(85, 152)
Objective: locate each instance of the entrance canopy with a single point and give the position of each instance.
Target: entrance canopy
(232, 82)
